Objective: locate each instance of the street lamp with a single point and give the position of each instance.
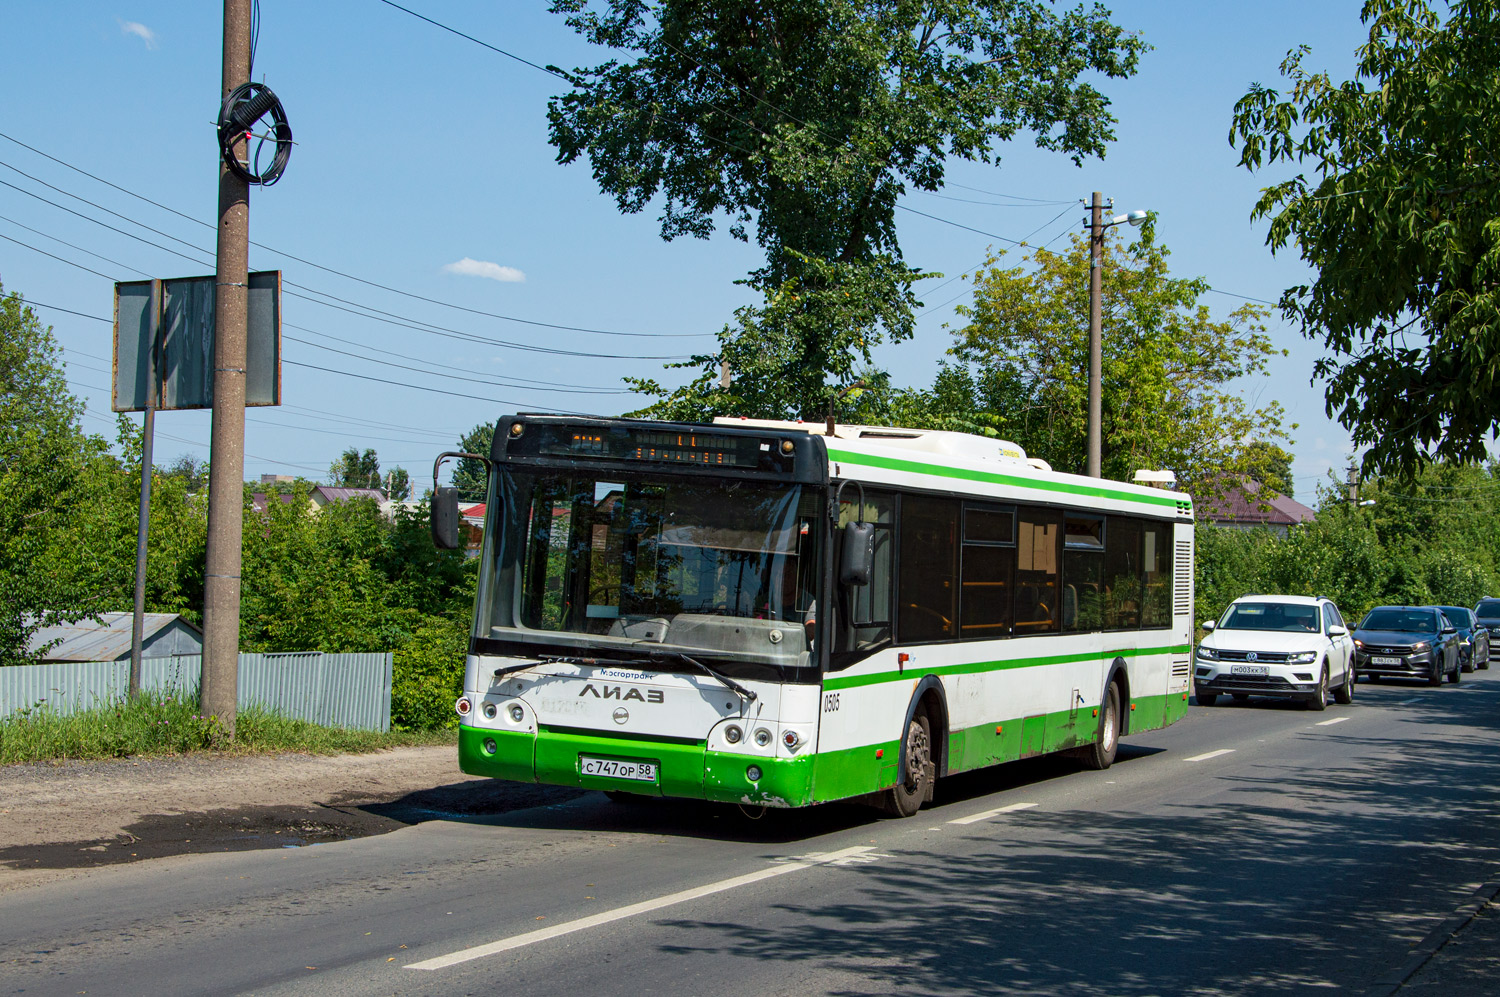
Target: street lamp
(1096, 227)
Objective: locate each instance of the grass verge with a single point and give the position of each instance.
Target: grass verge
(165, 724)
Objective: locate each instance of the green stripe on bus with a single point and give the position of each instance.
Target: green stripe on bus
(991, 477)
(974, 667)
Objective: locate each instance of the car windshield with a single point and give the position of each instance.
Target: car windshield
(1294, 617)
(1420, 621)
(723, 567)
(1458, 616)
(1488, 610)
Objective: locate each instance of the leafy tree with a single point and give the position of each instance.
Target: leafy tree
(45, 465)
(309, 584)
(355, 470)
(806, 120)
(1271, 466)
(398, 485)
(1400, 219)
(1167, 371)
(192, 471)
(470, 476)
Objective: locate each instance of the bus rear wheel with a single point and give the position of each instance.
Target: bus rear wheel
(915, 788)
(1101, 754)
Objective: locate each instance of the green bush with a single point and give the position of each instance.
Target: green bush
(428, 675)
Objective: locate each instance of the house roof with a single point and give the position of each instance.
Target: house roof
(332, 494)
(1248, 504)
(108, 640)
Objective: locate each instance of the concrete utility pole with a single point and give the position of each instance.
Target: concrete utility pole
(1096, 332)
(221, 587)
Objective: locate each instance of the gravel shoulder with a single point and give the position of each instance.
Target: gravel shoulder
(61, 820)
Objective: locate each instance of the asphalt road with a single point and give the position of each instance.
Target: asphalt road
(1250, 848)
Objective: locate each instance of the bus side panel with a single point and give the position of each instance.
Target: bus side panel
(859, 741)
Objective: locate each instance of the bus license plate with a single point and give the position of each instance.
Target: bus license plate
(614, 768)
(1385, 661)
(1249, 670)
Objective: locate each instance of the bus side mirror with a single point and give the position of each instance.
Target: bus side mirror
(445, 518)
(858, 560)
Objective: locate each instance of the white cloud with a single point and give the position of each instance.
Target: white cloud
(142, 32)
(481, 268)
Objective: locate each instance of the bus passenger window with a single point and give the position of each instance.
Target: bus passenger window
(989, 564)
(1122, 574)
(1038, 536)
(928, 584)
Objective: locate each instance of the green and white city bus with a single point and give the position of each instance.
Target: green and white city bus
(772, 613)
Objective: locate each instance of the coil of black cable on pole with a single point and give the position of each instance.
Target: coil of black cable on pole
(246, 105)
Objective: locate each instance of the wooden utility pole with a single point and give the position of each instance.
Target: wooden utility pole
(221, 584)
(1096, 343)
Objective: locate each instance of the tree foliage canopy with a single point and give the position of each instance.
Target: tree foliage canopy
(355, 470)
(470, 476)
(1169, 365)
(1401, 219)
(807, 119)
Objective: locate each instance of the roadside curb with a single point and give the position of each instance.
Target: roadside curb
(1391, 982)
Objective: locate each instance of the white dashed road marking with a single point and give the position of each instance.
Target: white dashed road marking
(846, 856)
(1330, 723)
(1210, 754)
(976, 818)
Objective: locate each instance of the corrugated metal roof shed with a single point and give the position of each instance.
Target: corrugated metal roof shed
(163, 634)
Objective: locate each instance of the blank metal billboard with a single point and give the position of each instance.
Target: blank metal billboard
(180, 360)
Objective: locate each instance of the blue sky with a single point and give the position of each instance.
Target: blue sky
(423, 165)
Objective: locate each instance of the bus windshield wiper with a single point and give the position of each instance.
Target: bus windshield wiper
(655, 657)
(728, 682)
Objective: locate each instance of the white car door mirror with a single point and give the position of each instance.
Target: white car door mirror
(1336, 631)
(1208, 624)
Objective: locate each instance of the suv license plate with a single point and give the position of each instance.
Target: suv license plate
(1385, 661)
(615, 768)
(1249, 670)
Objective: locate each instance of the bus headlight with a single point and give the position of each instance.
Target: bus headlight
(732, 734)
(490, 710)
(762, 737)
(517, 714)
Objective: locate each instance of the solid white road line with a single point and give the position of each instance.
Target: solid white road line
(841, 857)
(976, 818)
(1210, 754)
(1330, 723)
(1408, 702)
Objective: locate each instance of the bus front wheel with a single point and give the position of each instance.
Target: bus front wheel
(915, 788)
(1101, 754)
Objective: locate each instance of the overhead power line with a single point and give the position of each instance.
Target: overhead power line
(318, 266)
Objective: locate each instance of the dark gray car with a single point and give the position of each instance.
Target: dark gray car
(1473, 637)
(1415, 642)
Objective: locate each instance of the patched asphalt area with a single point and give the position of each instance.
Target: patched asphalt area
(246, 828)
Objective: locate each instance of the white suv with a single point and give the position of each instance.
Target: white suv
(1287, 646)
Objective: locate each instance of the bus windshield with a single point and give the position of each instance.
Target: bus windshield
(725, 568)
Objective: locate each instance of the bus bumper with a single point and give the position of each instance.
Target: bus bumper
(685, 770)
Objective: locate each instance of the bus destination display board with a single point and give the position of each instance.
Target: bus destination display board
(651, 446)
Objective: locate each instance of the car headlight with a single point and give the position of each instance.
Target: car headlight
(1421, 646)
(1207, 653)
(1302, 658)
(1359, 644)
